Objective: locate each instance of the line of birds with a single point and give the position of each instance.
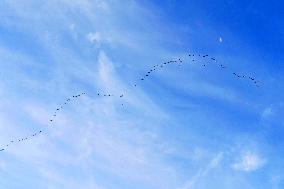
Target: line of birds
(255, 82)
(152, 69)
(52, 119)
(194, 59)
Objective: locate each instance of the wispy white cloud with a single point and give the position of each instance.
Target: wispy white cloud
(249, 162)
(94, 37)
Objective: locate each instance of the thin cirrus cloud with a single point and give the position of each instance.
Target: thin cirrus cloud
(202, 173)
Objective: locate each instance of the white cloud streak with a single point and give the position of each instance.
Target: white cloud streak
(203, 172)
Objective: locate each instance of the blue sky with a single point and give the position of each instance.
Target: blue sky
(185, 127)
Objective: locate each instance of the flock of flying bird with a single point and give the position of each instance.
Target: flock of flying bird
(193, 58)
